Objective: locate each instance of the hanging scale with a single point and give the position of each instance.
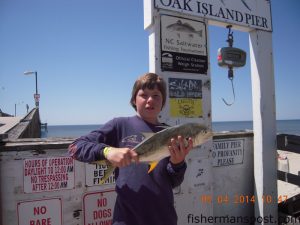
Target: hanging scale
(231, 57)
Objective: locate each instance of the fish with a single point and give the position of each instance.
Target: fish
(155, 147)
(183, 27)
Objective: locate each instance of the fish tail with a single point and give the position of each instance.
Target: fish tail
(152, 166)
(101, 162)
(110, 169)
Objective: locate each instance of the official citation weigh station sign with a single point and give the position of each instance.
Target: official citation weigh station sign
(247, 13)
(48, 174)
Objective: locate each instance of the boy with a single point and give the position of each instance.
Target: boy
(142, 198)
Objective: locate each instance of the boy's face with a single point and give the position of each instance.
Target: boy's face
(148, 104)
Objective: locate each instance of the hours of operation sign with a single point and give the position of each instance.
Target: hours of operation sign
(48, 174)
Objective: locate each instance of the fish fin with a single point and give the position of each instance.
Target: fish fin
(164, 126)
(147, 135)
(152, 166)
(103, 162)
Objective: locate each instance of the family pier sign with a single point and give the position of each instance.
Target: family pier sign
(245, 13)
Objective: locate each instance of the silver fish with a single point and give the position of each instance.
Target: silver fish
(183, 27)
(155, 148)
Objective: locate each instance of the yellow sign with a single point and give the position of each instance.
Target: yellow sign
(186, 107)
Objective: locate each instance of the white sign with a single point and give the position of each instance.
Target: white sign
(40, 212)
(94, 173)
(229, 152)
(98, 207)
(183, 45)
(36, 97)
(249, 13)
(182, 35)
(48, 174)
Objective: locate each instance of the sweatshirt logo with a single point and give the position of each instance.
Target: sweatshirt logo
(133, 140)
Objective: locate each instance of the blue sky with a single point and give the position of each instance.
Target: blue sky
(89, 53)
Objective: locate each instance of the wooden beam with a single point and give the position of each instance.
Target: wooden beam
(264, 123)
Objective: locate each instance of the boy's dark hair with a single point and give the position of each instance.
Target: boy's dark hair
(150, 81)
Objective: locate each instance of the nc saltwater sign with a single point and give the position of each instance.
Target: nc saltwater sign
(249, 13)
(183, 45)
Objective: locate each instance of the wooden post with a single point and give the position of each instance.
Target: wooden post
(264, 125)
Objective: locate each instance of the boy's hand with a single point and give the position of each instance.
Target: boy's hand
(121, 157)
(179, 149)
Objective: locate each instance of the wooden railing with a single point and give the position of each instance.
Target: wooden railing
(290, 143)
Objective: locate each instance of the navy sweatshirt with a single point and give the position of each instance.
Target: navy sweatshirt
(142, 198)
